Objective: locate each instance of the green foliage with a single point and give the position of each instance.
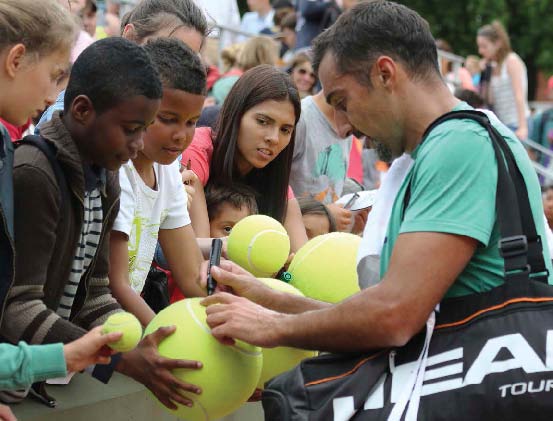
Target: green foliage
(528, 22)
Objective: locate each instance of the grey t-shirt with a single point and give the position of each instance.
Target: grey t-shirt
(321, 157)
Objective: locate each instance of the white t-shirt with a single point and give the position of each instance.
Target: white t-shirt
(143, 212)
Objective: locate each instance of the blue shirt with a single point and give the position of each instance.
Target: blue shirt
(253, 23)
(47, 115)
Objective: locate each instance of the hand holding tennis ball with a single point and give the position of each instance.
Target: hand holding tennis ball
(127, 324)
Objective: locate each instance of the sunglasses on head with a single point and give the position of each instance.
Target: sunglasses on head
(305, 72)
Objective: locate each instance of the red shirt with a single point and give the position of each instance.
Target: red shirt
(15, 132)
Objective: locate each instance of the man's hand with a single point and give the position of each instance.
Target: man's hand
(342, 217)
(90, 349)
(233, 279)
(6, 414)
(238, 318)
(145, 365)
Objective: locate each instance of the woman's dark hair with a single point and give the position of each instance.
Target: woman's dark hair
(309, 205)
(151, 16)
(257, 85)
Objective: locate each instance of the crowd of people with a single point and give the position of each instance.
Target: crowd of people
(151, 143)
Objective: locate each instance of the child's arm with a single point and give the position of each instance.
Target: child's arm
(22, 365)
(119, 279)
(184, 258)
(198, 212)
(294, 225)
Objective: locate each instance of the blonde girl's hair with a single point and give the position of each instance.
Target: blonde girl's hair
(229, 56)
(496, 32)
(256, 51)
(42, 26)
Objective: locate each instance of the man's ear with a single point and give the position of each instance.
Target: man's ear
(82, 110)
(386, 71)
(129, 32)
(14, 60)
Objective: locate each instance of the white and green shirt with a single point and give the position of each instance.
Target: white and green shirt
(453, 188)
(144, 211)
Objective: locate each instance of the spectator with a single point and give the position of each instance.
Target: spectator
(88, 16)
(219, 12)
(180, 19)
(508, 87)
(316, 217)
(253, 144)
(303, 75)
(472, 64)
(227, 205)
(470, 97)
(288, 37)
(260, 17)
(314, 16)
(547, 197)
(454, 77)
(153, 203)
(321, 157)
(256, 51)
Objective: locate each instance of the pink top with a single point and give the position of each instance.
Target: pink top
(200, 152)
(355, 168)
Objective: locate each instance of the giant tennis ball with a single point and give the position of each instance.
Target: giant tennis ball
(259, 244)
(325, 268)
(129, 325)
(280, 359)
(229, 374)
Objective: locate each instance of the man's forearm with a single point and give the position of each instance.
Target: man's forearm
(291, 304)
(360, 323)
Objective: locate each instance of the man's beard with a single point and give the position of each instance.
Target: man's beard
(383, 152)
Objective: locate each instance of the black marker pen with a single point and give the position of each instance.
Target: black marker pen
(214, 260)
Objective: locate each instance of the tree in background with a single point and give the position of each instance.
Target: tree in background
(529, 23)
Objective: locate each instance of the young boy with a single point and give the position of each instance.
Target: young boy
(227, 205)
(60, 288)
(153, 198)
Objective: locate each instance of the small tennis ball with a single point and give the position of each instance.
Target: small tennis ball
(325, 268)
(229, 373)
(280, 359)
(129, 325)
(259, 244)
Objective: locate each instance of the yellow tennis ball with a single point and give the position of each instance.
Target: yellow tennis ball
(280, 359)
(229, 373)
(259, 244)
(129, 325)
(325, 268)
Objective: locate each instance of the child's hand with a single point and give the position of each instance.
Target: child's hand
(360, 220)
(90, 349)
(190, 180)
(6, 414)
(146, 366)
(342, 217)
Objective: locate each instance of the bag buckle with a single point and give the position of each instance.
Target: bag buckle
(513, 246)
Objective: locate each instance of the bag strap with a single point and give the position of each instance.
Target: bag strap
(49, 150)
(520, 246)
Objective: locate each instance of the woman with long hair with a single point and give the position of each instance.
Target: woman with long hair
(253, 144)
(508, 87)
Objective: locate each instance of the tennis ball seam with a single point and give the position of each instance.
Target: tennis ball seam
(305, 256)
(252, 243)
(208, 331)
